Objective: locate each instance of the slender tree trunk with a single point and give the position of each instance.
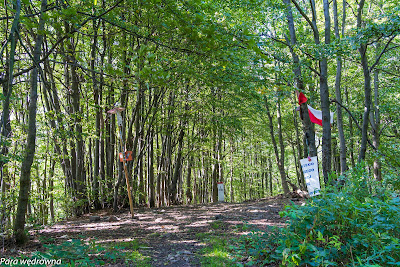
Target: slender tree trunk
(124, 100)
(270, 176)
(173, 196)
(103, 194)
(80, 175)
(342, 141)
(51, 99)
(96, 94)
(280, 138)
(160, 163)
(51, 189)
(110, 135)
(189, 190)
(29, 153)
(214, 178)
(308, 126)
(323, 83)
(376, 120)
(8, 84)
(351, 141)
(325, 102)
(279, 161)
(231, 169)
(150, 167)
(302, 183)
(367, 87)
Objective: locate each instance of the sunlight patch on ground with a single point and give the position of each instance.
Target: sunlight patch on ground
(76, 228)
(188, 242)
(161, 228)
(199, 223)
(261, 223)
(119, 240)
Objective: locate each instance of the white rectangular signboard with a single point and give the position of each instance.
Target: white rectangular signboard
(220, 192)
(310, 170)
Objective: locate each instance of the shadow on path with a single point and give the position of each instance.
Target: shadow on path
(170, 236)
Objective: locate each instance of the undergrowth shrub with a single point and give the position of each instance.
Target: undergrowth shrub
(358, 225)
(77, 252)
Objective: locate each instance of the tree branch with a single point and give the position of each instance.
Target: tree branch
(351, 115)
(384, 50)
(66, 36)
(304, 15)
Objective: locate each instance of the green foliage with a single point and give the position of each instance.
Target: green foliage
(74, 252)
(356, 226)
(217, 225)
(80, 253)
(216, 253)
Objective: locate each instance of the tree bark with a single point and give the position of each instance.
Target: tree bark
(351, 142)
(8, 84)
(173, 196)
(376, 120)
(302, 183)
(80, 174)
(150, 167)
(342, 141)
(308, 126)
(232, 144)
(96, 94)
(367, 87)
(29, 153)
(325, 101)
(124, 97)
(323, 82)
(279, 161)
(270, 176)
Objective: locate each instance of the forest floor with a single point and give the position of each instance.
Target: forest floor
(170, 236)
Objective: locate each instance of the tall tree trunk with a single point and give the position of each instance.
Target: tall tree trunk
(110, 134)
(160, 161)
(214, 175)
(190, 169)
(367, 87)
(279, 161)
(173, 196)
(52, 103)
(325, 102)
(96, 94)
(302, 183)
(232, 144)
(323, 83)
(270, 176)
(351, 141)
(124, 98)
(29, 153)
(189, 189)
(342, 141)
(308, 126)
(110, 142)
(376, 120)
(150, 167)
(80, 174)
(51, 189)
(8, 85)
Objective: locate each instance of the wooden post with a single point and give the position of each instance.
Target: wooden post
(117, 110)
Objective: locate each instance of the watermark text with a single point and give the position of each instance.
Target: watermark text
(29, 262)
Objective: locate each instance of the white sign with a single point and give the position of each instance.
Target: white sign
(310, 170)
(221, 192)
(119, 119)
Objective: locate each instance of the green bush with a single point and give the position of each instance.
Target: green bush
(356, 226)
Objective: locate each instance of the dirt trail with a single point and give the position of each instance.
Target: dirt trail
(170, 236)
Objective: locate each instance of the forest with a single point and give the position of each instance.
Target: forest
(197, 93)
